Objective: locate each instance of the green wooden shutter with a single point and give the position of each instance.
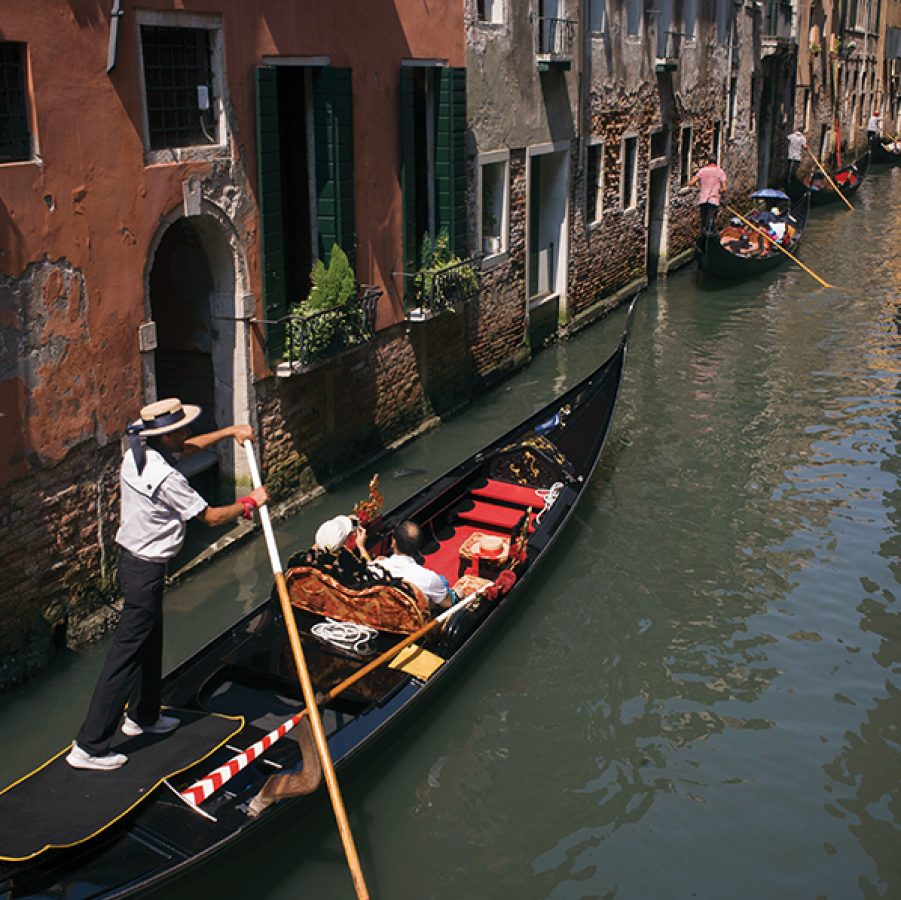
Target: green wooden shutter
(408, 173)
(334, 137)
(269, 193)
(450, 157)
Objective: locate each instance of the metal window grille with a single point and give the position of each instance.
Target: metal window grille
(15, 141)
(176, 62)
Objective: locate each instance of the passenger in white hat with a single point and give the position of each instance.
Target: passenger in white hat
(157, 502)
(332, 551)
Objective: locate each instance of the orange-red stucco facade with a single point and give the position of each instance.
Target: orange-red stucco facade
(79, 222)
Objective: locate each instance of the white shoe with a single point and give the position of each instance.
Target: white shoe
(163, 725)
(81, 759)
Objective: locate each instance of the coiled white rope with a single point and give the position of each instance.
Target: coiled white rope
(549, 497)
(348, 636)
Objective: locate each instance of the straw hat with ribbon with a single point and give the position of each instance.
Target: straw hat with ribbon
(157, 419)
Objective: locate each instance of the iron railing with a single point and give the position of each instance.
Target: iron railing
(555, 39)
(311, 339)
(432, 291)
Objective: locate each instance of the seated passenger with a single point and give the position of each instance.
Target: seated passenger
(403, 563)
(777, 223)
(740, 245)
(331, 554)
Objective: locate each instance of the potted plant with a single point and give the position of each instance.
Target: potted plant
(444, 279)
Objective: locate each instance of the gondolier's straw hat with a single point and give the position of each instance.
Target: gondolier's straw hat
(165, 416)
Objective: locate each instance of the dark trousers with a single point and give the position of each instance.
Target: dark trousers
(708, 213)
(132, 672)
(793, 168)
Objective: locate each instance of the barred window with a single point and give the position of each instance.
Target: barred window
(15, 141)
(178, 78)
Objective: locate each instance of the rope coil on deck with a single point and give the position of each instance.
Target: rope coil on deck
(549, 497)
(348, 636)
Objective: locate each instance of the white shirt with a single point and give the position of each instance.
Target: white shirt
(874, 124)
(796, 143)
(156, 506)
(407, 569)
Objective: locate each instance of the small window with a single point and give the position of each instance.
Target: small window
(594, 182)
(717, 139)
(689, 18)
(730, 106)
(633, 17)
(630, 160)
(178, 79)
(660, 143)
(685, 157)
(805, 121)
(15, 140)
(598, 16)
(493, 205)
(490, 11)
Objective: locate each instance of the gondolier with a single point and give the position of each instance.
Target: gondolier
(712, 180)
(157, 502)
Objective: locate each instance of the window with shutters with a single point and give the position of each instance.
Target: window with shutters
(15, 139)
(182, 62)
(306, 180)
(490, 11)
(432, 159)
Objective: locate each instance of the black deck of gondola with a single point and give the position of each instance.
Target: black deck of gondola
(57, 806)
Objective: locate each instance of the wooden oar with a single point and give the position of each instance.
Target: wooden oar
(779, 246)
(309, 696)
(208, 785)
(829, 179)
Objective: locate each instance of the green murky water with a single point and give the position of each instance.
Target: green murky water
(700, 695)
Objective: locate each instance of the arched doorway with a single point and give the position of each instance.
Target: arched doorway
(194, 277)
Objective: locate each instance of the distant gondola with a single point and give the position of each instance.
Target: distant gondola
(886, 154)
(716, 259)
(848, 180)
(519, 491)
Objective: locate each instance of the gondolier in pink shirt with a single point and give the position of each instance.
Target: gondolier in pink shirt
(712, 180)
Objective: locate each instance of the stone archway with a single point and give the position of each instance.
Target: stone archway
(195, 297)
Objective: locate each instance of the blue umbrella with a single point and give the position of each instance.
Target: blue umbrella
(771, 194)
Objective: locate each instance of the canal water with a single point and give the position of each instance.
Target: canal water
(700, 695)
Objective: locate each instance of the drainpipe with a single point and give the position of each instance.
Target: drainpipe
(116, 13)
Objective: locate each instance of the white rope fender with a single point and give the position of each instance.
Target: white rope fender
(348, 636)
(549, 497)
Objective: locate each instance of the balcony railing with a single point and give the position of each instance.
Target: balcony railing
(311, 339)
(777, 21)
(555, 40)
(433, 291)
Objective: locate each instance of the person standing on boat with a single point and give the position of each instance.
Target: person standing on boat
(712, 180)
(156, 503)
(874, 126)
(796, 144)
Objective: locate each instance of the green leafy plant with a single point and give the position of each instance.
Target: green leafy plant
(327, 321)
(444, 279)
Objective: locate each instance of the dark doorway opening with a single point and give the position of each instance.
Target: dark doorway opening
(295, 123)
(657, 190)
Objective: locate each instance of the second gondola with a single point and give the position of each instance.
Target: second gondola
(736, 252)
(848, 179)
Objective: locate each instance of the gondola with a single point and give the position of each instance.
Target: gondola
(886, 154)
(717, 260)
(849, 180)
(518, 492)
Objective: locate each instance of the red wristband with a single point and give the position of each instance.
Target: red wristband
(249, 505)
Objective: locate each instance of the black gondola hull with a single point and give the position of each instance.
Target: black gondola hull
(827, 196)
(717, 262)
(164, 837)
